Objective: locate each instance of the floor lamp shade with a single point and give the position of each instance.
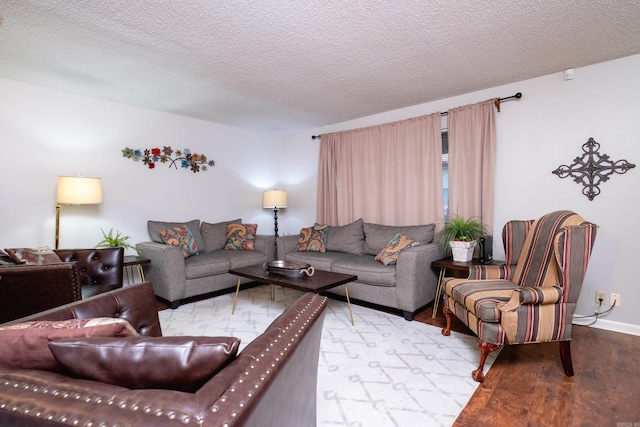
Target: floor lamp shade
(274, 199)
(76, 190)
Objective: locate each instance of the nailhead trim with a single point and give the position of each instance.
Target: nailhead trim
(26, 409)
(281, 345)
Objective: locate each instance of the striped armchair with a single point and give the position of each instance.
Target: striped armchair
(532, 297)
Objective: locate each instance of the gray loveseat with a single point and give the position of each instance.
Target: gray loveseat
(175, 277)
(408, 285)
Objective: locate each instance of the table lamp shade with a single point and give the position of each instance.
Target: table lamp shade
(274, 199)
(77, 190)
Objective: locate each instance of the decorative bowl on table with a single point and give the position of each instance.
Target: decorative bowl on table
(289, 269)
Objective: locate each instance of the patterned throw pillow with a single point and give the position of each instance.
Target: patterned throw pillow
(313, 239)
(241, 237)
(181, 237)
(25, 345)
(40, 256)
(389, 254)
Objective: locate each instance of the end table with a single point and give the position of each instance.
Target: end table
(130, 261)
(458, 268)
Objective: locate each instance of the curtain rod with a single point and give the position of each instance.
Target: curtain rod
(518, 95)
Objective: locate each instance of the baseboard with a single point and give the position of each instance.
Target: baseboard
(609, 325)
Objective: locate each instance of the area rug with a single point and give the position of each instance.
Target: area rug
(384, 371)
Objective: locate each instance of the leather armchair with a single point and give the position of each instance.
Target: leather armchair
(100, 270)
(533, 296)
(28, 289)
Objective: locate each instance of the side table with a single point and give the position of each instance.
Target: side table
(459, 269)
(130, 261)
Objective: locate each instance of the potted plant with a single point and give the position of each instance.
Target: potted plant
(460, 237)
(113, 241)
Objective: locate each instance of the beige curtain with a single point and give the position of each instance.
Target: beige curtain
(472, 152)
(388, 174)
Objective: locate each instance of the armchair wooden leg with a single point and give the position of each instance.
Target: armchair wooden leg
(485, 349)
(565, 356)
(446, 331)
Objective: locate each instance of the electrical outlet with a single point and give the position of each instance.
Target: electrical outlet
(615, 300)
(601, 296)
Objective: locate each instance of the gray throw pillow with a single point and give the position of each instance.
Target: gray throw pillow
(347, 238)
(156, 226)
(215, 235)
(377, 235)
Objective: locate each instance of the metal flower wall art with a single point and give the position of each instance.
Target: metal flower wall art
(184, 158)
(592, 169)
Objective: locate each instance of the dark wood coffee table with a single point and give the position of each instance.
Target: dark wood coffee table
(320, 281)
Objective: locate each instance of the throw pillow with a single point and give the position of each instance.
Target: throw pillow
(181, 237)
(241, 237)
(389, 254)
(313, 239)
(134, 362)
(194, 225)
(24, 345)
(215, 235)
(376, 236)
(40, 256)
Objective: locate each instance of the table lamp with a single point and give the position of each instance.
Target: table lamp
(274, 199)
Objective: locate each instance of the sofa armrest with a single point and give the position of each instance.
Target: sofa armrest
(415, 280)
(287, 244)
(167, 270)
(267, 245)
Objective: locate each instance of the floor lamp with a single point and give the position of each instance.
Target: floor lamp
(76, 190)
(274, 199)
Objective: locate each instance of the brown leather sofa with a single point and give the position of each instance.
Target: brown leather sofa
(26, 288)
(272, 382)
(29, 289)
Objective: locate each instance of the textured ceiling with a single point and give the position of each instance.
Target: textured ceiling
(280, 66)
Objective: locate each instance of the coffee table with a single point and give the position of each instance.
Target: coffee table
(320, 281)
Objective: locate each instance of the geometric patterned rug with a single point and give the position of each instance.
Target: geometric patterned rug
(384, 371)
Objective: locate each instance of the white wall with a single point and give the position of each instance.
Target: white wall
(45, 133)
(536, 134)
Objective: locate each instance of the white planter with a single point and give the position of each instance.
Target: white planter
(462, 251)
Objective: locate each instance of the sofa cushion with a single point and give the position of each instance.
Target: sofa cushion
(194, 225)
(389, 254)
(207, 264)
(241, 237)
(215, 235)
(24, 345)
(40, 256)
(319, 260)
(181, 237)
(367, 269)
(176, 363)
(346, 238)
(377, 235)
(313, 239)
(238, 259)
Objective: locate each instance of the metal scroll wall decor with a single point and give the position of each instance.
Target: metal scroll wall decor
(184, 158)
(592, 169)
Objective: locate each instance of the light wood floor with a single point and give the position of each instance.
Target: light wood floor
(526, 385)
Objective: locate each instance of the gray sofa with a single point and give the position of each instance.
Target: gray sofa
(175, 277)
(408, 285)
